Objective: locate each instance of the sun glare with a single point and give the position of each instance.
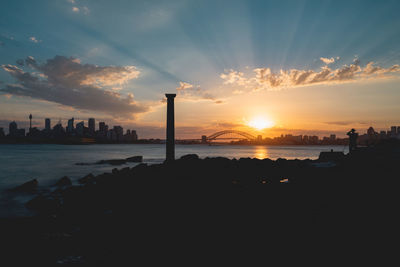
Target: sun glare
(260, 123)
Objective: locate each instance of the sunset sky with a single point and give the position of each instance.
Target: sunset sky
(302, 67)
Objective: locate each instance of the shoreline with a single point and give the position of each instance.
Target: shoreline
(219, 201)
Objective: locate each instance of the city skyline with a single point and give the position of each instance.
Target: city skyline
(72, 126)
(301, 67)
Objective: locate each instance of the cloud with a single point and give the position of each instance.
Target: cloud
(34, 39)
(264, 78)
(190, 92)
(82, 86)
(345, 123)
(75, 9)
(85, 10)
(328, 61)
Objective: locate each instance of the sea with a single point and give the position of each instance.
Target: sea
(47, 163)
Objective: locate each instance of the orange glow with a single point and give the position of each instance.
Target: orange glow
(261, 152)
(261, 123)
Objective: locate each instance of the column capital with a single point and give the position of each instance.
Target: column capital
(170, 95)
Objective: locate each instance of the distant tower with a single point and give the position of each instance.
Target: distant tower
(30, 122)
(170, 128)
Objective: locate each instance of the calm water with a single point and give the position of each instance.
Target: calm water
(48, 163)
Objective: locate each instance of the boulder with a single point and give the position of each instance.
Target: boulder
(86, 179)
(112, 161)
(43, 204)
(135, 159)
(27, 187)
(64, 181)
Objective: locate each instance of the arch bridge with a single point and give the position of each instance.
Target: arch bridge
(217, 135)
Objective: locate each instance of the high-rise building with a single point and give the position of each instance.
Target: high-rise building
(2, 132)
(393, 130)
(13, 129)
(70, 127)
(102, 127)
(119, 132)
(47, 124)
(92, 126)
(80, 128)
(134, 135)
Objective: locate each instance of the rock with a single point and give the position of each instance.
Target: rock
(43, 204)
(86, 179)
(64, 181)
(334, 156)
(27, 187)
(135, 159)
(112, 161)
(190, 157)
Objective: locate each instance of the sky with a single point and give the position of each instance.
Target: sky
(301, 67)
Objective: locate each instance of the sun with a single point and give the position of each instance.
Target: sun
(260, 123)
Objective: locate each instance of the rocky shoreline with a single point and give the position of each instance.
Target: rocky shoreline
(165, 208)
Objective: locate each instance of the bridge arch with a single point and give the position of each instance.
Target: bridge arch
(241, 133)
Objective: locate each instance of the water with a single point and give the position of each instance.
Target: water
(48, 163)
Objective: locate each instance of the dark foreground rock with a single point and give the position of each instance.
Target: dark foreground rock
(64, 181)
(115, 161)
(28, 187)
(212, 210)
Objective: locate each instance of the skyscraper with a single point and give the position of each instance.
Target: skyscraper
(70, 127)
(92, 126)
(13, 129)
(47, 124)
(393, 130)
(80, 127)
(102, 127)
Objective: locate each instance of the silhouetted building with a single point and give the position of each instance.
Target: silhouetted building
(393, 131)
(119, 132)
(13, 129)
(134, 135)
(259, 138)
(58, 130)
(2, 133)
(70, 126)
(102, 127)
(80, 128)
(92, 126)
(204, 139)
(332, 137)
(47, 124)
(21, 132)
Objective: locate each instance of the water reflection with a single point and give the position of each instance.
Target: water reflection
(261, 152)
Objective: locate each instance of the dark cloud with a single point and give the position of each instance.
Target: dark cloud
(68, 82)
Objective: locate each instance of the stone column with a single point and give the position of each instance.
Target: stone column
(170, 128)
